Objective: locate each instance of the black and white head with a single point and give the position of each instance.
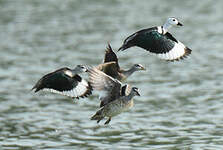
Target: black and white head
(81, 68)
(173, 21)
(135, 91)
(138, 67)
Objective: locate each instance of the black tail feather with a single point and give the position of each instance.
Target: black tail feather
(187, 51)
(185, 55)
(122, 48)
(37, 87)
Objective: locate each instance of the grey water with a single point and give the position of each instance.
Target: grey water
(181, 102)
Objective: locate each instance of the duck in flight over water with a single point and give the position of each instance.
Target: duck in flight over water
(65, 81)
(118, 98)
(157, 40)
(111, 66)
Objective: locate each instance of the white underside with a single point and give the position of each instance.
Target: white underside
(79, 90)
(175, 53)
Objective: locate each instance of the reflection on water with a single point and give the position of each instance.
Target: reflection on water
(181, 102)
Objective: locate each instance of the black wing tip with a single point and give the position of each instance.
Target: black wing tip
(187, 51)
(125, 46)
(110, 54)
(36, 87)
(108, 48)
(35, 90)
(122, 48)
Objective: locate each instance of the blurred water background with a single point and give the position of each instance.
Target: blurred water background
(181, 103)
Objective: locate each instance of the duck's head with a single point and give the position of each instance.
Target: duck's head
(135, 91)
(81, 68)
(173, 21)
(138, 67)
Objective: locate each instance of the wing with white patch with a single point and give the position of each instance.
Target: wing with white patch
(82, 89)
(152, 40)
(62, 81)
(176, 52)
(179, 51)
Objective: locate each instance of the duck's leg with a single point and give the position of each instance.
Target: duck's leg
(107, 122)
(99, 120)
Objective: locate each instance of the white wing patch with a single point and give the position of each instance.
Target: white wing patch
(177, 52)
(69, 73)
(78, 91)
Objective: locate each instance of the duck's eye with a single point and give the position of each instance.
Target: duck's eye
(174, 19)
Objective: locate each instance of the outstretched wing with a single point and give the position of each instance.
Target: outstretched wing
(136, 37)
(62, 81)
(102, 82)
(111, 56)
(164, 46)
(109, 68)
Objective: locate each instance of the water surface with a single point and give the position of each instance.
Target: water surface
(181, 102)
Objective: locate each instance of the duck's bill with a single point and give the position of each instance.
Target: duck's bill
(180, 24)
(138, 94)
(143, 68)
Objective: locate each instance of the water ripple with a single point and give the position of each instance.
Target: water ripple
(181, 102)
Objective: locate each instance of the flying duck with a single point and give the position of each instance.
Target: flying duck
(65, 81)
(159, 41)
(117, 99)
(111, 66)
